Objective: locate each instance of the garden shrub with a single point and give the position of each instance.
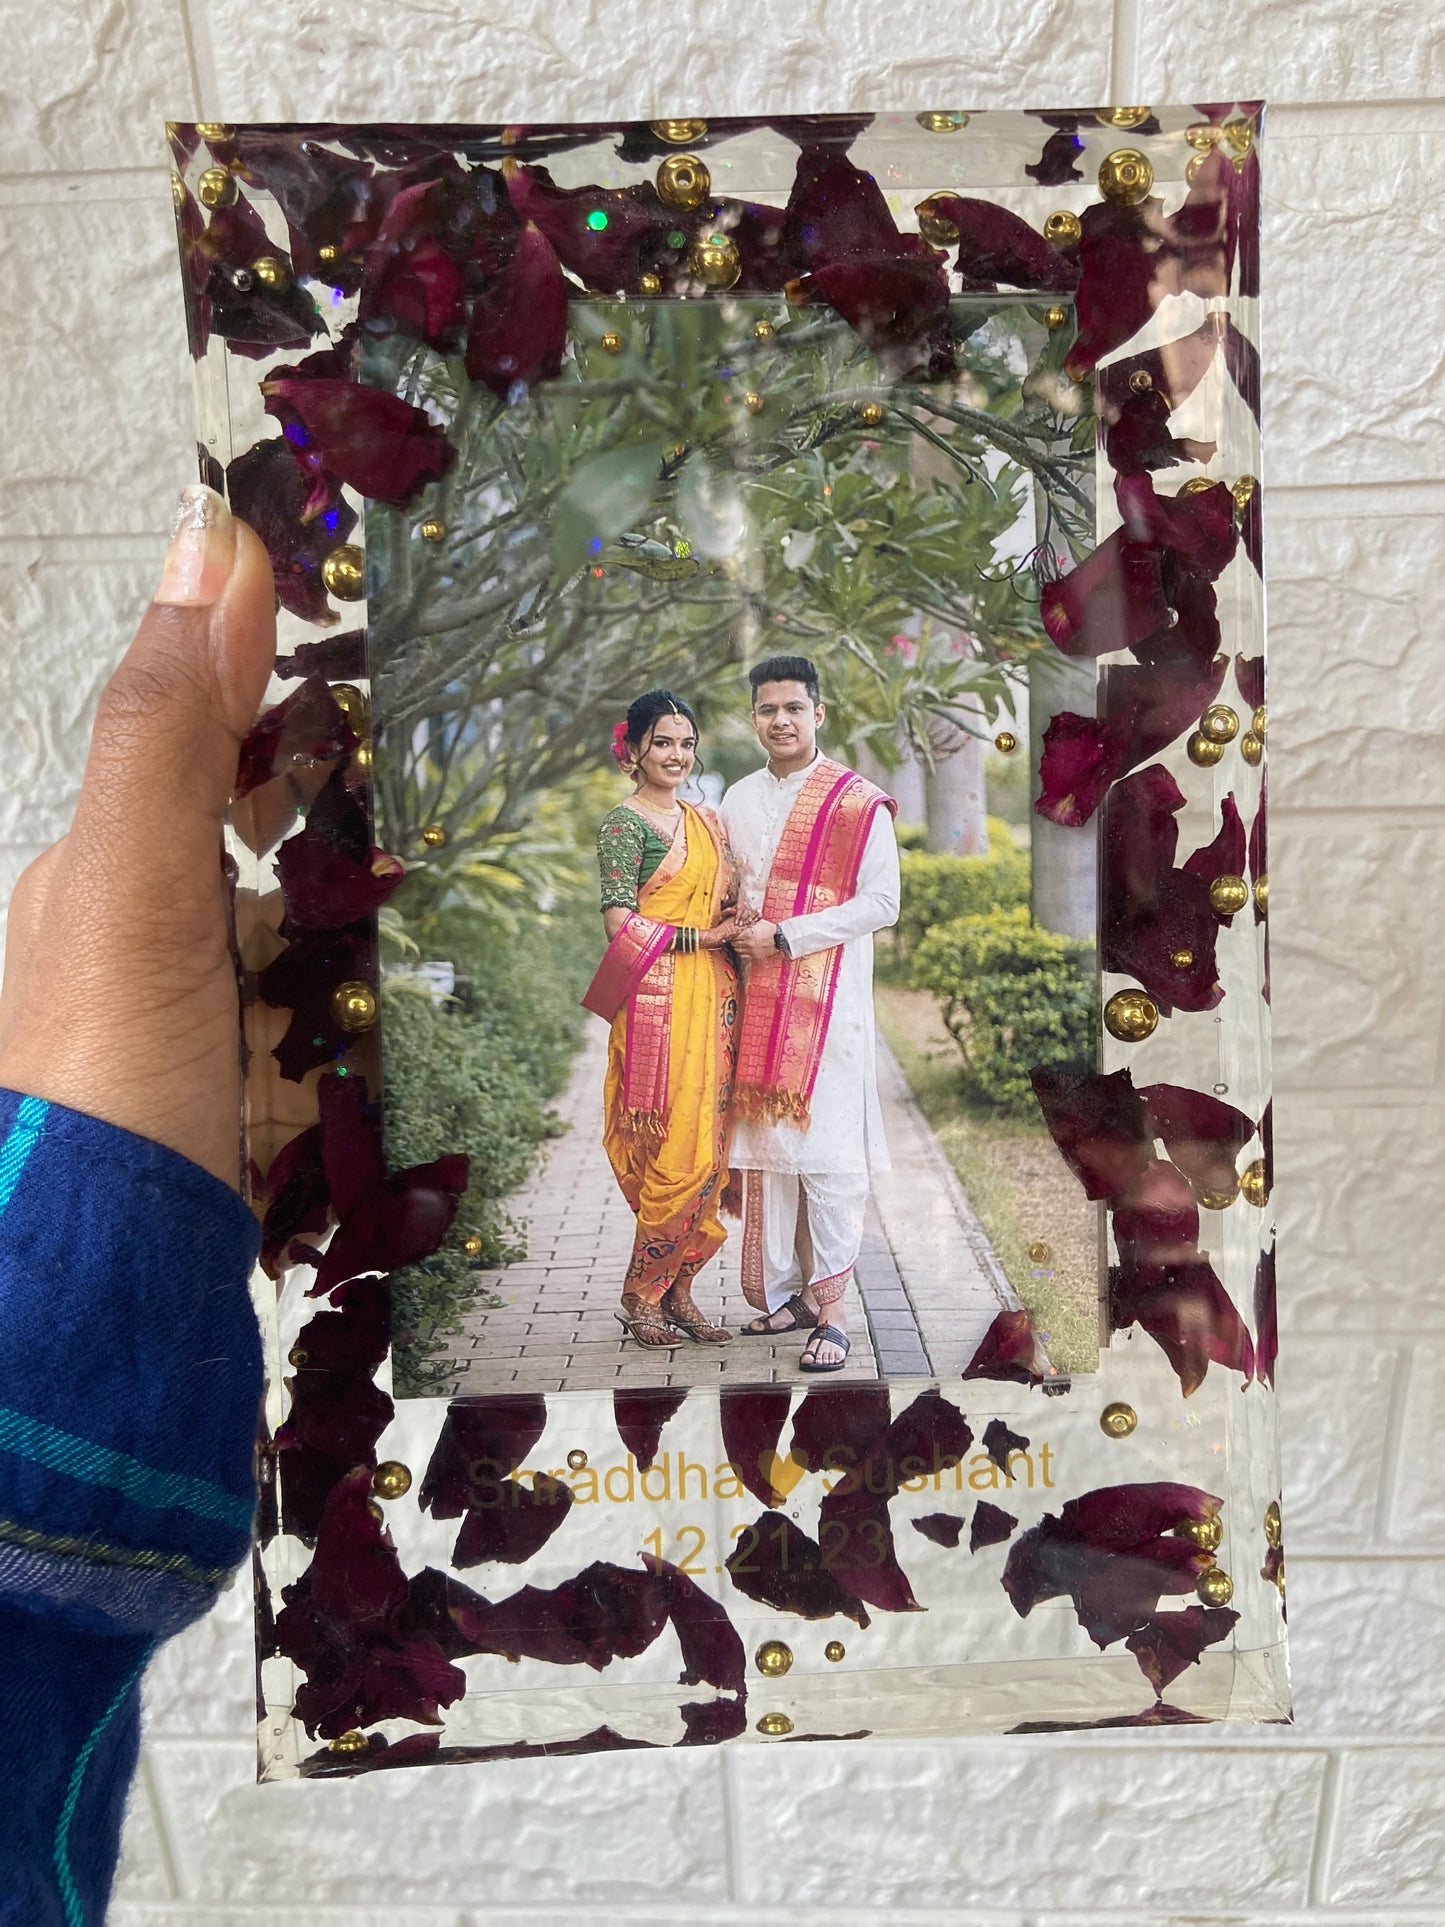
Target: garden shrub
(1015, 998)
(937, 889)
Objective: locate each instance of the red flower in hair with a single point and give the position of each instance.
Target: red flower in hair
(619, 744)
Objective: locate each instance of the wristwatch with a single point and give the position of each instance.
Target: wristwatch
(780, 942)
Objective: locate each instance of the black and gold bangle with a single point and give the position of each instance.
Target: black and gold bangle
(685, 938)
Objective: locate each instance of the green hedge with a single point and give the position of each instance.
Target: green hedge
(937, 889)
(1014, 997)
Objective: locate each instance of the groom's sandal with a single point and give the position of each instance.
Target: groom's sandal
(803, 1318)
(829, 1335)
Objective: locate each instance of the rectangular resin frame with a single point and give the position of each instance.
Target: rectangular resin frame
(992, 1545)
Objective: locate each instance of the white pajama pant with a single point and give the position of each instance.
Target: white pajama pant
(836, 1202)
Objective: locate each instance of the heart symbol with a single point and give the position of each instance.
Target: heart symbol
(782, 1474)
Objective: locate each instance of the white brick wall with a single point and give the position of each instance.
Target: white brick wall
(1333, 1823)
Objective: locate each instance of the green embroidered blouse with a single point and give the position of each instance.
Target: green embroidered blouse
(628, 852)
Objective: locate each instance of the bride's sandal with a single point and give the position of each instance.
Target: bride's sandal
(684, 1316)
(644, 1322)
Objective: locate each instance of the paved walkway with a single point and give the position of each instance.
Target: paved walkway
(926, 1289)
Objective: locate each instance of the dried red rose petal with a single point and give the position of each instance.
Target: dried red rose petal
(943, 1528)
(516, 1525)
(324, 889)
(433, 1602)
(1126, 267)
(711, 1722)
(1259, 841)
(1172, 371)
(1189, 1315)
(1249, 680)
(1143, 710)
(1156, 1221)
(324, 196)
(1007, 1350)
(1170, 1642)
(298, 1199)
(338, 658)
(1202, 1134)
(1136, 436)
(347, 432)
(640, 1415)
(607, 1612)
(992, 1526)
(1197, 529)
(1000, 1443)
(1266, 1317)
(302, 979)
(268, 491)
(1099, 1124)
(1082, 756)
(603, 235)
(410, 283)
(996, 246)
(1159, 1714)
(1225, 855)
(752, 1422)
(480, 1442)
(406, 1219)
(712, 1650)
(254, 316)
(307, 723)
(836, 1426)
(1058, 162)
(776, 1563)
(518, 327)
(1113, 600)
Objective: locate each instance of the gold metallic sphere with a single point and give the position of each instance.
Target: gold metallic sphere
(1063, 228)
(871, 412)
(352, 704)
(297, 1356)
(361, 756)
(1259, 721)
(434, 836)
(1219, 723)
(773, 1658)
(683, 181)
(650, 285)
(1238, 135)
(215, 130)
(1252, 1183)
(577, 1459)
(271, 272)
(715, 260)
(1056, 317)
(942, 123)
(354, 1006)
(1126, 176)
(1207, 1534)
(1181, 959)
(1199, 749)
(835, 1650)
(1118, 1421)
(1197, 485)
(754, 402)
(376, 1512)
(936, 228)
(1251, 748)
(762, 329)
(1228, 894)
(1261, 895)
(391, 1479)
(1131, 1016)
(1209, 1200)
(1202, 136)
(1273, 1525)
(612, 342)
(472, 1246)
(1125, 117)
(178, 190)
(216, 187)
(1193, 167)
(1215, 1587)
(1243, 492)
(433, 529)
(1141, 381)
(353, 1742)
(774, 1725)
(679, 133)
(344, 573)
(1039, 1252)
(1005, 742)
(329, 252)
(1279, 1577)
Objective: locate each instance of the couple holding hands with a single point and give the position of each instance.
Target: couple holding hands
(738, 983)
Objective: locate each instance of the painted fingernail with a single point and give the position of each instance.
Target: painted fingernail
(202, 550)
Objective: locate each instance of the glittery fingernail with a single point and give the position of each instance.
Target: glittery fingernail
(201, 552)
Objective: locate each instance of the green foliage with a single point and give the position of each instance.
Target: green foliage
(939, 888)
(1014, 998)
(911, 836)
(1006, 779)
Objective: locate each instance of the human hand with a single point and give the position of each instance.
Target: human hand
(720, 935)
(120, 992)
(756, 942)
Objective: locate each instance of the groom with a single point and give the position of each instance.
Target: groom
(814, 843)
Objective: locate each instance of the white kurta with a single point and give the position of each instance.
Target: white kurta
(846, 1133)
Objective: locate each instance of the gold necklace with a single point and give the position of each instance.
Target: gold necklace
(670, 818)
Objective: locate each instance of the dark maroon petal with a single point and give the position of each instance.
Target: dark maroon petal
(776, 1563)
(836, 1426)
(609, 256)
(324, 197)
(752, 1423)
(1000, 1443)
(943, 1528)
(1099, 1124)
(267, 490)
(518, 327)
(1241, 358)
(1113, 600)
(519, 1523)
(1159, 1714)
(1187, 642)
(1189, 1315)
(1249, 680)
(929, 1436)
(1166, 1645)
(407, 1219)
(1225, 856)
(1266, 1139)
(386, 1680)
(1118, 1591)
(353, 1337)
(1266, 1317)
(434, 1600)
(837, 212)
(307, 723)
(991, 1526)
(480, 1442)
(410, 284)
(374, 442)
(297, 1196)
(302, 979)
(1251, 528)
(1197, 529)
(1156, 1221)
(640, 1415)
(1146, 940)
(323, 889)
(995, 246)
(1201, 230)
(607, 1612)
(756, 231)
(1081, 757)
(711, 1722)
(350, 1142)
(1136, 436)
(1172, 372)
(356, 1580)
(898, 309)
(1007, 1351)
(338, 658)
(1259, 841)
(712, 1650)
(1125, 270)
(1202, 1134)
(1153, 707)
(336, 1415)
(254, 316)
(1059, 160)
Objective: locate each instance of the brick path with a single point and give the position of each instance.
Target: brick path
(927, 1285)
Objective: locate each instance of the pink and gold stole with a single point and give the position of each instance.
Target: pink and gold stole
(789, 1000)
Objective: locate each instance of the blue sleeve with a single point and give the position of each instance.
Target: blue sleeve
(130, 1382)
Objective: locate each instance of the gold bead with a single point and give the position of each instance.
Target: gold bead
(1181, 959)
(1124, 117)
(762, 329)
(683, 181)
(1228, 894)
(1193, 167)
(344, 573)
(391, 1479)
(1141, 381)
(361, 756)
(1252, 1184)
(354, 1006)
(1056, 317)
(835, 1650)
(1219, 723)
(650, 285)
(352, 704)
(1273, 1525)
(1251, 748)
(679, 133)
(1279, 1577)
(871, 412)
(1063, 228)
(773, 1658)
(1259, 721)
(1214, 1586)
(1214, 1200)
(936, 228)
(215, 130)
(434, 836)
(1207, 1534)
(1199, 749)
(270, 272)
(577, 1458)
(1126, 176)
(612, 342)
(178, 190)
(297, 1356)
(216, 187)
(1202, 136)
(1239, 136)
(376, 1512)
(472, 1246)
(775, 1725)
(754, 402)
(1039, 1252)
(329, 252)
(1118, 1421)
(1243, 492)
(1131, 1016)
(1005, 742)
(715, 260)
(1197, 485)
(433, 529)
(353, 1742)
(942, 123)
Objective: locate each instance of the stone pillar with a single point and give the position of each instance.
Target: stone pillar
(954, 794)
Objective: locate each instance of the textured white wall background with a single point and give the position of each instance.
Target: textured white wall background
(1335, 1821)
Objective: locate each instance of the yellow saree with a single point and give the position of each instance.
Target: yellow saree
(670, 1061)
